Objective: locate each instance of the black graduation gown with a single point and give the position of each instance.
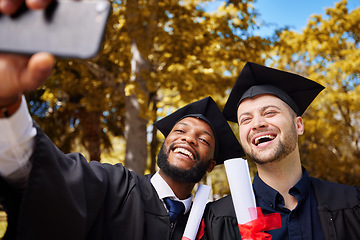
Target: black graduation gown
(338, 207)
(69, 198)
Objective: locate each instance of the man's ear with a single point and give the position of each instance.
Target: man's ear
(299, 126)
(211, 166)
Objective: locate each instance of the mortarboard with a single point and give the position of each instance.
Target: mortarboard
(297, 91)
(226, 144)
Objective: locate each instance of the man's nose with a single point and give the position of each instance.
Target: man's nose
(259, 122)
(189, 138)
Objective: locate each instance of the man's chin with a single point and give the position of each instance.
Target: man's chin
(191, 175)
(182, 165)
(264, 162)
(262, 158)
(186, 175)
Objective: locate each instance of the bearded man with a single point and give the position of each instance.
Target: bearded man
(67, 197)
(268, 104)
(51, 195)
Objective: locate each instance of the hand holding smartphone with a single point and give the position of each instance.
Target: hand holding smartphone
(67, 28)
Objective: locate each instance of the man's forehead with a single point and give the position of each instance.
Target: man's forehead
(189, 121)
(191, 118)
(193, 122)
(259, 102)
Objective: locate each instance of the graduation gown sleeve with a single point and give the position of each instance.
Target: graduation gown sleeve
(220, 221)
(69, 198)
(339, 209)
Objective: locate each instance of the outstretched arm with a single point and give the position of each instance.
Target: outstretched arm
(19, 74)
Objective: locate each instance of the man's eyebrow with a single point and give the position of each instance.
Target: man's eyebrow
(204, 131)
(243, 114)
(262, 109)
(269, 106)
(183, 123)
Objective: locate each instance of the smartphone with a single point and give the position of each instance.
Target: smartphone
(67, 28)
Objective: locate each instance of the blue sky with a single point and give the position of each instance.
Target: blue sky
(294, 13)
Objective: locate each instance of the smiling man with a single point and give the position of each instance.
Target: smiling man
(51, 195)
(66, 197)
(268, 104)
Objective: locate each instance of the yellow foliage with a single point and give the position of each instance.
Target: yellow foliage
(183, 54)
(327, 51)
(3, 223)
(49, 97)
(129, 89)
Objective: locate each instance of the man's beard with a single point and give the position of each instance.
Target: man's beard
(283, 149)
(192, 175)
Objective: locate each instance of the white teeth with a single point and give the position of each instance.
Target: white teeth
(184, 151)
(257, 140)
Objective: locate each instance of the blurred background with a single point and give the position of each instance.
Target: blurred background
(159, 55)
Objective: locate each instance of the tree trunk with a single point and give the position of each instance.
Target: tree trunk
(135, 126)
(154, 141)
(92, 133)
(135, 135)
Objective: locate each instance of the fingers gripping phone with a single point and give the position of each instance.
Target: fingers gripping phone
(67, 28)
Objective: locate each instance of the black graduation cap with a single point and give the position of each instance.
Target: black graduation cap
(226, 144)
(297, 91)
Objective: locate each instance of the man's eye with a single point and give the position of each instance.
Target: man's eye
(179, 130)
(245, 120)
(270, 113)
(204, 140)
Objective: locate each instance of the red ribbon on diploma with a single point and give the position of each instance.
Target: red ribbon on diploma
(253, 230)
(200, 232)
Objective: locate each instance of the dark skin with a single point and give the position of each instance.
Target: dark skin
(196, 139)
(21, 74)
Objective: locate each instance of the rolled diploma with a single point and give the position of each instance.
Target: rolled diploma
(237, 171)
(196, 213)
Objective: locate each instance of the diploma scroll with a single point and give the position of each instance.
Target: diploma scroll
(237, 171)
(252, 223)
(196, 213)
